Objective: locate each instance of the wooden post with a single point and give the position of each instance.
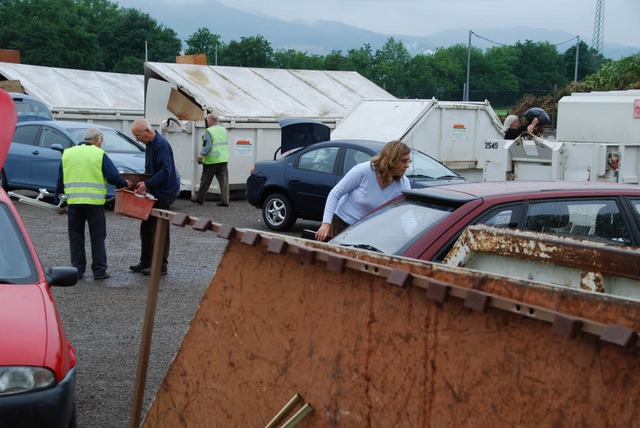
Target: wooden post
(147, 330)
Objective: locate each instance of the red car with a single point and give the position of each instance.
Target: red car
(425, 223)
(37, 361)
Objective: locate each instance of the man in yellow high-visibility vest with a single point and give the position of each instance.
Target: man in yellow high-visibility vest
(214, 157)
(85, 171)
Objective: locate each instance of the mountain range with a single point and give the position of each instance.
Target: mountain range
(322, 37)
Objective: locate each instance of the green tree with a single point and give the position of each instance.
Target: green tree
(52, 33)
(498, 82)
(539, 67)
(420, 78)
(390, 67)
(136, 38)
(616, 75)
(204, 42)
(253, 51)
(293, 59)
(362, 60)
(450, 71)
(336, 61)
(84, 34)
(589, 61)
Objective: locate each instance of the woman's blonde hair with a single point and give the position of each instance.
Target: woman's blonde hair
(385, 161)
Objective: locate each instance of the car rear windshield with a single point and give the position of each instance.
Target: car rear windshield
(28, 109)
(394, 228)
(16, 264)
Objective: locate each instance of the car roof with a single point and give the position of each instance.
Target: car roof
(19, 95)
(471, 190)
(376, 145)
(65, 124)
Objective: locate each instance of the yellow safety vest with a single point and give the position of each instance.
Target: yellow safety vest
(219, 150)
(84, 182)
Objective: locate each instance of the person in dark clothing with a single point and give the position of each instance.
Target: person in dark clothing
(84, 173)
(512, 128)
(163, 184)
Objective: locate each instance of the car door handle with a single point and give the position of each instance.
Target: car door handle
(35, 152)
(295, 179)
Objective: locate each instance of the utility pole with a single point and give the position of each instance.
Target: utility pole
(575, 73)
(466, 87)
(598, 28)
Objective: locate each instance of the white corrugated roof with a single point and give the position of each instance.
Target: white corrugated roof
(264, 92)
(75, 90)
(231, 91)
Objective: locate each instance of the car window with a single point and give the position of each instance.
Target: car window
(28, 109)
(16, 264)
(353, 157)
(636, 205)
(411, 219)
(321, 160)
(599, 220)
(423, 166)
(113, 141)
(49, 137)
(504, 217)
(26, 134)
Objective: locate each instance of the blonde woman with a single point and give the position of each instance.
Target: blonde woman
(365, 187)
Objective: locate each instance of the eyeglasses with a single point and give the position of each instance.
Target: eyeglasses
(405, 161)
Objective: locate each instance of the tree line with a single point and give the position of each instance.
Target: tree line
(100, 35)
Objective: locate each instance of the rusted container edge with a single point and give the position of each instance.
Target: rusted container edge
(618, 320)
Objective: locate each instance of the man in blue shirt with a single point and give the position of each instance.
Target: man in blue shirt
(163, 184)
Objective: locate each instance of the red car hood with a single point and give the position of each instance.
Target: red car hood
(23, 339)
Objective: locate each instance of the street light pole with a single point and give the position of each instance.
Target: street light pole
(466, 89)
(575, 73)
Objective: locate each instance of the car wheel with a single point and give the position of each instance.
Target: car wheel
(277, 212)
(3, 180)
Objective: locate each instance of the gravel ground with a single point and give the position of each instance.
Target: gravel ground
(104, 319)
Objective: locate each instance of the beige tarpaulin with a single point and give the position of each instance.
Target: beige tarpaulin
(380, 341)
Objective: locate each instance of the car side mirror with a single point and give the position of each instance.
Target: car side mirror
(58, 147)
(62, 276)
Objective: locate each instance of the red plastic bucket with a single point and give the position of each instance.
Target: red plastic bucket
(130, 204)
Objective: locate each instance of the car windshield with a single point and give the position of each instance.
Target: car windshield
(423, 166)
(395, 227)
(16, 264)
(114, 142)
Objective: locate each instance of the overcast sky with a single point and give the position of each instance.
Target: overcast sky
(423, 17)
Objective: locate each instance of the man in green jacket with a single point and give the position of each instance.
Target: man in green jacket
(214, 157)
(84, 173)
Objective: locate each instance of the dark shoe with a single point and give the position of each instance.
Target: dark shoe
(147, 271)
(222, 204)
(139, 267)
(102, 276)
(195, 201)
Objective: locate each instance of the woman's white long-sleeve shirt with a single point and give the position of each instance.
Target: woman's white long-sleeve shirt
(359, 193)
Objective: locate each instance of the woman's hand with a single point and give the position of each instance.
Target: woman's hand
(323, 232)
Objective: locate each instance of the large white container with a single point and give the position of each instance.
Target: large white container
(600, 117)
(452, 132)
